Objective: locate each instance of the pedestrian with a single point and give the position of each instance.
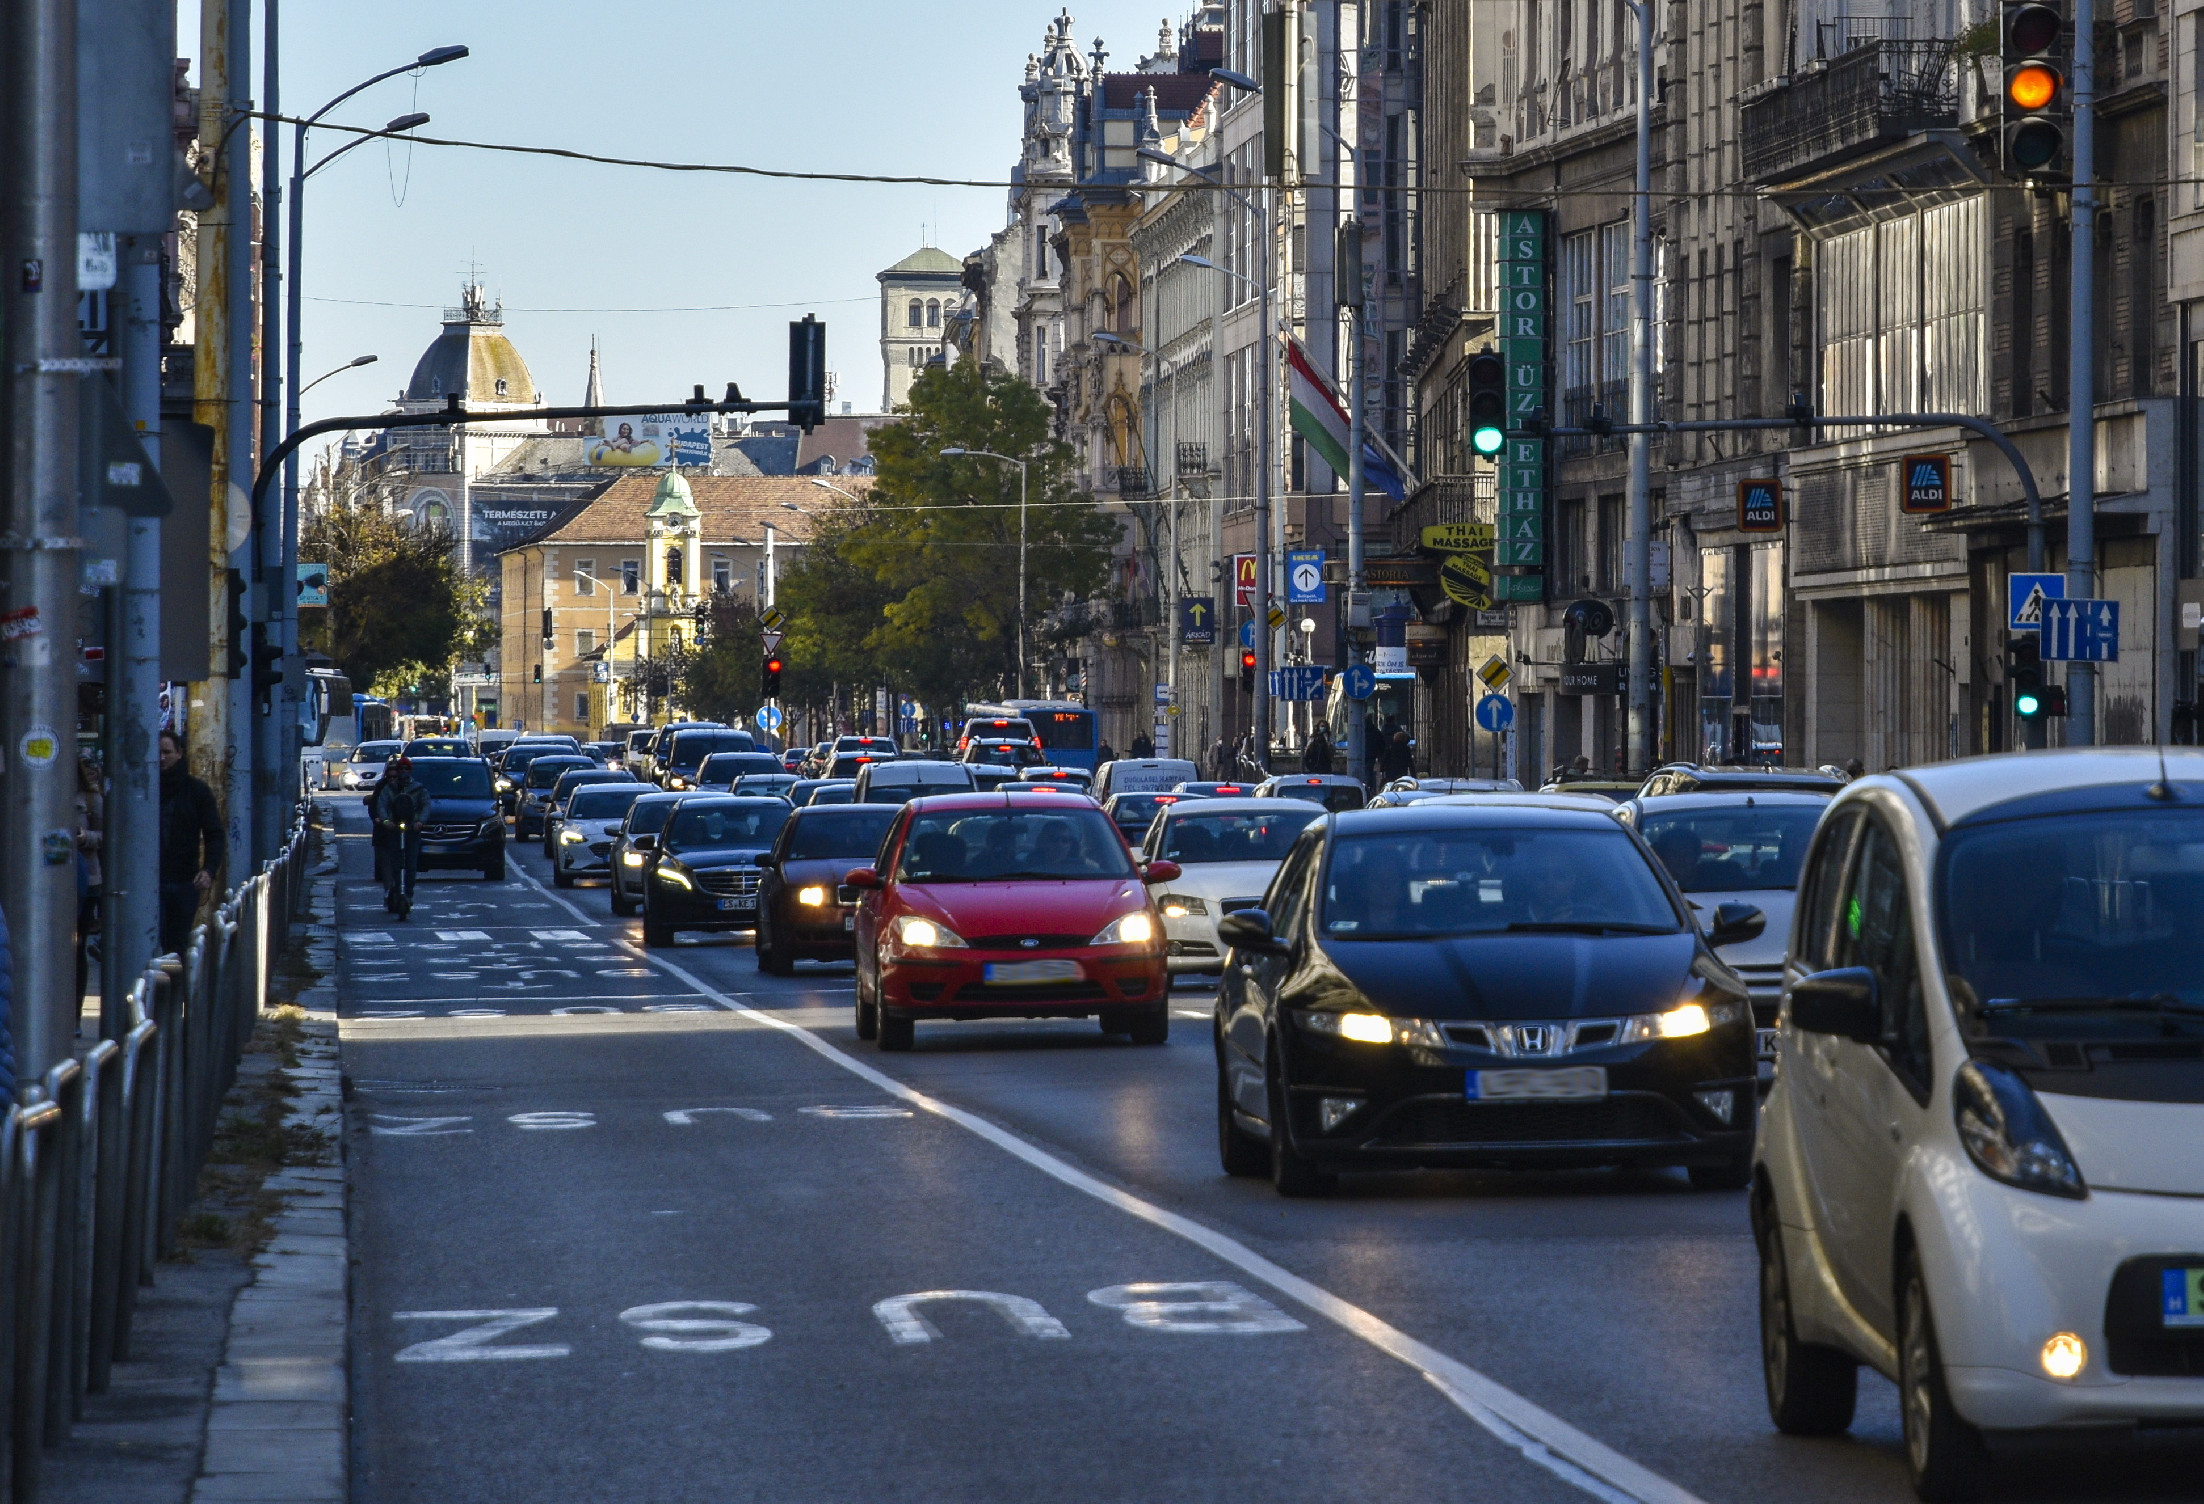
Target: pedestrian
(399, 808)
(1142, 747)
(91, 807)
(1580, 767)
(193, 846)
(1400, 758)
(1316, 755)
(1220, 761)
(1104, 753)
(1855, 769)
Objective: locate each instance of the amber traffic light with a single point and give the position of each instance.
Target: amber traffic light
(2034, 109)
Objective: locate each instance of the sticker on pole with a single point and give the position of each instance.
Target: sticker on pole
(39, 747)
(2029, 592)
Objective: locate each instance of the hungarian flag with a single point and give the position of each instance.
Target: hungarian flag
(1321, 419)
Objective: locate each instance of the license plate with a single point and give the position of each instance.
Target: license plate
(849, 921)
(1578, 1083)
(2184, 1303)
(1030, 971)
(737, 905)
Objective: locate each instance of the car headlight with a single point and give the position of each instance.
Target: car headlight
(917, 933)
(2008, 1135)
(505, 785)
(495, 825)
(1363, 1028)
(1135, 928)
(676, 781)
(811, 897)
(1684, 1021)
(1179, 905)
(676, 877)
(631, 858)
(570, 837)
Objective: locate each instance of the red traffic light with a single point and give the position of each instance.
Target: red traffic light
(1247, 660)
(773, 664)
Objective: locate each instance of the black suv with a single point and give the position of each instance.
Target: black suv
(465, 828)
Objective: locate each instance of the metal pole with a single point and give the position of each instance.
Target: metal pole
(2081, 405)
(1638, 557)
(1357, 596)
(38, 550)
(132, 856)
(1262, 633)
(1021, 578)
(272, 798)
(224, 331)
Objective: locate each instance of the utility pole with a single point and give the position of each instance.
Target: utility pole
(1263, 556)
(1638, 548)
(44, 369)
(276, 716)
(1347, 270)
(2081, 381)
(132, 855)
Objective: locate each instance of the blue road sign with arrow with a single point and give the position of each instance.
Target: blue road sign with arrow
(2081, 631)
(1359, 681)
(1495, 713)
(1197, 620)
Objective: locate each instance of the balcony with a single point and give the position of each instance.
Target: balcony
(1879, 92)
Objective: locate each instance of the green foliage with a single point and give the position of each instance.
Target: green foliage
(400, 612)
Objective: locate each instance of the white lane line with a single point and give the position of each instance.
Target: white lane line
(1530, 1430)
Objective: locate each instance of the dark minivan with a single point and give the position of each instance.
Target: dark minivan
(465, 827)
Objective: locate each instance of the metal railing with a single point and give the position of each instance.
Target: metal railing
(100, 1158)
(1883, 90)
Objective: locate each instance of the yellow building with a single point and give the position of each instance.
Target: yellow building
(617, 581)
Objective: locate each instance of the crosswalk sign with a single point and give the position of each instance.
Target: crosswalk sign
(2028, 593)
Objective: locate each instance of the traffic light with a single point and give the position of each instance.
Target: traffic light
(807, 372)
(548, 632)
(2054, 699)
(772, 676)
(1247, 669)
(539, 673)
(1488, 402)
(2034, 111)
(239, 631)
(2024, 672)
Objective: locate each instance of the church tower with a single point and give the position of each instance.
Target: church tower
(917, 296)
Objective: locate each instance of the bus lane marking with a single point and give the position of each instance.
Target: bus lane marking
(472, 1344)
(907, 1325)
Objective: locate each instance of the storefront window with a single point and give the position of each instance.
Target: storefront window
(1717, 621)
(1765, 616)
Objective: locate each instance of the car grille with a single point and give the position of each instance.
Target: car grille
(448, 832)
(1044, 992)
(2136, 1341)
(1617, 1120)
(737, 880)
(600, 848)
(1020, 942)
(1192, 948)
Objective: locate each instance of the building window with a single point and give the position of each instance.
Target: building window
(1900, 313)
(673, 565)
(1572, 548)
(585, 643)
(933, 313)
(585, 576)
(1610, 545)
(631, 576)
(723, 574)
(917, 314)
(501, 386)
(581, 707)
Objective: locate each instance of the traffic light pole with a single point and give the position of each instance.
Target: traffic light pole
(1638, 563)
(2081, 380)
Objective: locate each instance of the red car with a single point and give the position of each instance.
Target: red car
(1008, 906)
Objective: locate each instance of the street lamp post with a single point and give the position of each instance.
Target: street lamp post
(352, 364)
(988, 454)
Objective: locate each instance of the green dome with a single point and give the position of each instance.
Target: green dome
(673, 498)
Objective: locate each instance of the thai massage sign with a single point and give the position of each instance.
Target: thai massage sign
(1519, 550)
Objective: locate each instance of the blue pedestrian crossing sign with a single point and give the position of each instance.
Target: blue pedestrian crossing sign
(1359, 681)
(1495, 713)
(2028, 593)
(2081, 631)
(769, 718)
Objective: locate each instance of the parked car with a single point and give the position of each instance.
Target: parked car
(464, 827)
(1333, 791)
(703, 872)
(364, 768)
(804, 912)
(588, 825)
(1018, 906)
(895, 782)
(1693, 778)
(631, 847)
(1978, 1169)
(533, 789)
(1493, 984)
(1144, 775)
(554, 803)
(1227, 850)
(719, 770)
(679, 763)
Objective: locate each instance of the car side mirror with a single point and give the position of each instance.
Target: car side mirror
(767, 859)
(1160, 872)
(1249, 930)
(642, 843)
(864, 879)
(1842, 1002)
(1735, 923)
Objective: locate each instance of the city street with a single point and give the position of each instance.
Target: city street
(632, 1227)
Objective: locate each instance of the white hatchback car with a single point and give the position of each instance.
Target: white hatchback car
(1227, 851)
(1981, 1166)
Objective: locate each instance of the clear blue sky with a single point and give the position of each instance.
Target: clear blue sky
(848, 85)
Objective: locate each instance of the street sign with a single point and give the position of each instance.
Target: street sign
(1467, 580)
(1495, 713)
(772, 642)
(600, 672)
(1165, 694)
(1302, 681)
(1495, 672)
(2081, 631)
(1593, 678)
(1458, 537)
(1243, 580)
(1197, 620)
(1304, 576)
(1359, 681)
(2027, 593)
(772, 620)
(1277, 616)
(1760, 506)
(1927, 483)
(1247, 634)
(769, 717)
(313, 584)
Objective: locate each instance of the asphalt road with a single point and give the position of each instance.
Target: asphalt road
(647, 1227)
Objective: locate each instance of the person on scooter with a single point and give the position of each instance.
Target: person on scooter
(399, 809)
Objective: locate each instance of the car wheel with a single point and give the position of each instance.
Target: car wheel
(1113, 1022)
(1732, 1174)
(656, 936)
(621, 903)
(772, 960)
(1240, 1154)
(561, 879)
(495, 872)
(895, 1034)
(1945, 1456)
(1151, 1026)
(868, 1021)
(1290, 1170)
(1812, 1390)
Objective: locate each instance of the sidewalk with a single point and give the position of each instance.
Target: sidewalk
(236, 1387)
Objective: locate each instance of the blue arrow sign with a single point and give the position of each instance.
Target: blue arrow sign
(1360, 681)
(1302, 681)
(769, 718)
(2029, 592)
(2081, 631)
(1247, 634)
(1304, 576)
(1495, 713)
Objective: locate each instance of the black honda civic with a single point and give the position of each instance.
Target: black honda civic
(1510, 984)
(703, 873)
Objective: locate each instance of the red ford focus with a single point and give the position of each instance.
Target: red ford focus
(1008, 906)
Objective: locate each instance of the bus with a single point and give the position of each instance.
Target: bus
(1064, 728)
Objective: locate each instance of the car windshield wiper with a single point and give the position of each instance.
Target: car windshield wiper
(2134, 1002)
(1585, 927)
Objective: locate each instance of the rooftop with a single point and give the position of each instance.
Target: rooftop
(730, 508)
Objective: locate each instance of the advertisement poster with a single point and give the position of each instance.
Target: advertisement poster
(654, 439)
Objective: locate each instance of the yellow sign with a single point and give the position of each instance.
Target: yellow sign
(1277, 617)
(1467, 581)
(1494, 671)
(1458, 537)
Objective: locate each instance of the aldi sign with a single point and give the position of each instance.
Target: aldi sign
(1927, 484)
(1760, 506)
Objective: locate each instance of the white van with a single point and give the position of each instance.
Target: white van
(1143, 775)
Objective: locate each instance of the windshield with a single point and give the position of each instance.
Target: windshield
(1735, 850)
(853, 831)
(545, 771)
(2078, 909)
(833, 793)
(732, 765)
(649, 819)
(1239, 837)
(764, 783)
(1139, 809)
(439, 747)
(453, 780)
(374, 751)
(1330, 795)
(975, 846)
(1004, 754)
(692, 747)
(608, 803)
(754, 822)
(1485, 881)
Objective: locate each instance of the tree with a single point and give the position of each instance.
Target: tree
(400, 611)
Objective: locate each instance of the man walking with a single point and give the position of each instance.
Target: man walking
(193, 846)
(399, 809)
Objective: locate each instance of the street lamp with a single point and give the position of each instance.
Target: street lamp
(352, 364)
(988, 454)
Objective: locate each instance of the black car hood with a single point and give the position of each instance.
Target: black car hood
(445, 811)
(732, 856)
(1504, 976)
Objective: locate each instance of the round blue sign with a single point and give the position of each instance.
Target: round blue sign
(1495, 713)
(1360, 680)
(769, 718)
(1247, 634)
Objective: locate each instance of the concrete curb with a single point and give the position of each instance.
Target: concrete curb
(278, 1427)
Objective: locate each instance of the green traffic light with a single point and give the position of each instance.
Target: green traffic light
(2028, 703)
(1487, 440)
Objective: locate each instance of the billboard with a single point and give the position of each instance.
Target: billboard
(652, 439)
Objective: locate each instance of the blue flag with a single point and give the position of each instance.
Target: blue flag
(1379, 472)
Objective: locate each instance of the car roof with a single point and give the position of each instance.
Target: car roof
(661, 796)
(1764, 777)
(1726, 798)
(993, 799)
(1453, 812)
(1954, 790)
(1210, 804)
